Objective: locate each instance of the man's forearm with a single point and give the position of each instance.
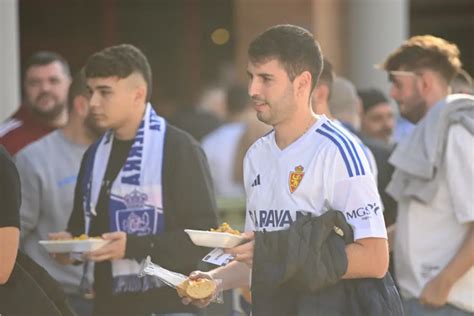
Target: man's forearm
(367, 258)
(461, 262)
(233, 275)
(9, 239)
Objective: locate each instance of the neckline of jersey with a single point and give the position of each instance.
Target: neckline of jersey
(280, 152)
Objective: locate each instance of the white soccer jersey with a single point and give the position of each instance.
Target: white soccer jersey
(323, 169)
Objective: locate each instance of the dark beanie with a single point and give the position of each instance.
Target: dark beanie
(371, 97)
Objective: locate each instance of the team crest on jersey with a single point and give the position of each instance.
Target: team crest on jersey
(295, 178)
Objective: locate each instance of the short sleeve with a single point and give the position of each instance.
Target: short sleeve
(355, 195)
(10, 191)
(460, 172)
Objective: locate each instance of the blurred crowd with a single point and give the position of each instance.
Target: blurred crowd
(60, 159)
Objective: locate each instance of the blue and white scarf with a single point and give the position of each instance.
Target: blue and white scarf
(136, 199)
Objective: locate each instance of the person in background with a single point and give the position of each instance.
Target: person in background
(377, 117)
(139, 186)
(432, 182)
(344, 104)
(45, 86)
(201, 119)
(53, 162)
(221, 145)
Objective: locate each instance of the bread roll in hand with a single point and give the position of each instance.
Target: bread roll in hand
(196, 289)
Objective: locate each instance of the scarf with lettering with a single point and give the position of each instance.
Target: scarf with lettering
(136, 201)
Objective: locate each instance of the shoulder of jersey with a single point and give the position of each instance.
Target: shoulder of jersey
(334, 135)
(336, 138)
(260, 142)
(9, 126)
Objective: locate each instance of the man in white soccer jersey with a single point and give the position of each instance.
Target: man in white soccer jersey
(305, 163)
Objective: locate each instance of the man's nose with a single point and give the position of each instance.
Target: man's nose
(45, 85)
(93, 100)
(253, 88)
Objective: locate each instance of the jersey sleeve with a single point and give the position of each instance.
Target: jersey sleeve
(460, 172)
(354, 193)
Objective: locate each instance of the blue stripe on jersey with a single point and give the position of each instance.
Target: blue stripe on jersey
(341, 150)
(339, 135)
(352, 146)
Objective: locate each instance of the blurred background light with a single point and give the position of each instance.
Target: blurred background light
(220, 36)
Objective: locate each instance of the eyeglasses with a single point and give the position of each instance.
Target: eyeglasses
(393, 74)
(402, 73)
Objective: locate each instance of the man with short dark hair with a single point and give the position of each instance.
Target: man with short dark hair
(432, 182)
(305, 168)
(45, 86)
(377, 117)
(139, 187)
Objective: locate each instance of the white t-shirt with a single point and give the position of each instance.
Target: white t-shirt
(429, 235)
(323, 169)
(220, 147)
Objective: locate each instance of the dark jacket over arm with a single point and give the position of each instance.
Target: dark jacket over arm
(298, 272)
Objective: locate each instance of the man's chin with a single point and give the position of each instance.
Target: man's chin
(48, 114)
(261, 117)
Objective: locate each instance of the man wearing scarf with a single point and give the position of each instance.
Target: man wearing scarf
(139, 187)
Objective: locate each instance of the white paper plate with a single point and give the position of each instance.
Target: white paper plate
(214, 239)
(61, 246)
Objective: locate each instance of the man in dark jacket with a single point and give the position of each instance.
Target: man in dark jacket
(138, 187)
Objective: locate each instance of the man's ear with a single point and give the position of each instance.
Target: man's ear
(81, 105)
(427, 82)
(140, 94)
(303, 83)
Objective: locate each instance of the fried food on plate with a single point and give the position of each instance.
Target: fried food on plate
(225, 228)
